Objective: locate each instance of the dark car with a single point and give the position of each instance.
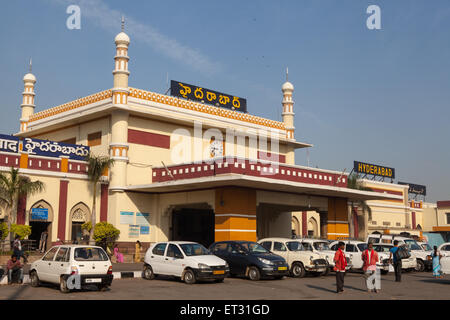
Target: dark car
(250, 259)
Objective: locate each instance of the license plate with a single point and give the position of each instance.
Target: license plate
(219, 272)
(93, 280)
(282, 268)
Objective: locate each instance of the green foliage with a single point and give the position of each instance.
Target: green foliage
(21, 230)
(97, 166)
(105, 231)
(86, 226)
(3, 230)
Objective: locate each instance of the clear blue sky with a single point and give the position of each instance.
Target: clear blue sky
(379, 96)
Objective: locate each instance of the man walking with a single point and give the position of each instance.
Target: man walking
(370, 259)
(340, 262)
(397, 263)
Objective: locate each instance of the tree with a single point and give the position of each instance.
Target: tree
(97, 165)
(13, 186)
(353, 182)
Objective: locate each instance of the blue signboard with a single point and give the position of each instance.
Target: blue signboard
(145, 230)
(39, 214)
(55, 149)
(9, 143)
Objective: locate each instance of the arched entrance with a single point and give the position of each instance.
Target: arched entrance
(40, 220)
(79, 214)
(295, 226)
(312, 227)
(193, 222)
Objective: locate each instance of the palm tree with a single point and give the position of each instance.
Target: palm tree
(353, 182)
(97, 166)
(12, 187)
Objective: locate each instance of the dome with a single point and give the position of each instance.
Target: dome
(122, 38)
(287, 86)
(29, 77)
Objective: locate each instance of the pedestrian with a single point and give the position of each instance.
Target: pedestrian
(340, 262)
(436, 258)
(117, 254)
(137, 254)
(397, 263)
(17, 249)
(370, 259)
(14, 269)
(43, 241)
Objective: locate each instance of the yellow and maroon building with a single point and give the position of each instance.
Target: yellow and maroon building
(183, 169)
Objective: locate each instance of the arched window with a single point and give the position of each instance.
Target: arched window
(312, 227)
(79, 214)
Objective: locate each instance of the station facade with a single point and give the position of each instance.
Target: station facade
(183, 170)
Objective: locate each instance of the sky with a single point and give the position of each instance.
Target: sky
(376, 96)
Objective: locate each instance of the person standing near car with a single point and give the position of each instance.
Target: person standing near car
(137, 254)
(397, 263)
(436, 258)
(340, 262)
(370, 259)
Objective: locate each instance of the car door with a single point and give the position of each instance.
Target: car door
(61, 264)
(237, 259)
(445, 251)
(157, 258)
(46, 265)
(351, 251)
(220, 249)
(175, 261)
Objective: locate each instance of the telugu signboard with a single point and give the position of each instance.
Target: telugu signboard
(39, 214)
(373, 169)
(415, 188)
(9, 143)
(218, 99)
(55, 149)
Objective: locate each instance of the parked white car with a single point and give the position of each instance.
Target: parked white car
(189, 261)
(322, 248)
(353, 251)
(408, 264)
(445, 265)
(444, 249)
(422, 255)
(299, 260)
(83, 264)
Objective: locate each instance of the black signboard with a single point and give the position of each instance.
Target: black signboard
(373, 169)
(415, 188)
(218, 99)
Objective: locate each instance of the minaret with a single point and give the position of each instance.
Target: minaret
(28, 99)
(119, 117)
(288, 116)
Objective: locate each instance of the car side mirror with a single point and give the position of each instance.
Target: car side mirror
(242, 252)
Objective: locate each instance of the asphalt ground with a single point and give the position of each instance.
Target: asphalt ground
(420, 286)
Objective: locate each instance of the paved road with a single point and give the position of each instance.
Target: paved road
(413, 286)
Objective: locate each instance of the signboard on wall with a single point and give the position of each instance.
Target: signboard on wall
(54, 149)
(373, 169)
(39, 214)
(145, 230)
(142, 219)
(415, 188)
(126, 217)
(9, 143)
(199, 94)
(133, 231)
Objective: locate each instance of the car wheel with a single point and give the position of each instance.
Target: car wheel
(34, 279)
(420, 267)
(63, 285)
(297, 270)
(254, 274)
(189, 277)
(148, 273)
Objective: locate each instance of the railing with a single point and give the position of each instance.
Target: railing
(27, 245)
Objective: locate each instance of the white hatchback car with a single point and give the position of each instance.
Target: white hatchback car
(72, 266)
(353, 251)
(444, 249)
(408, 264)
(189, 261)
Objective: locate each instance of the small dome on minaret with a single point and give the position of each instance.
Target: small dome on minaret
(287, 86)
(122, 37)
(29, 77)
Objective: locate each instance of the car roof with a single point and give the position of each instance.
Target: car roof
(76, 246)
(177, 242)
(349, 241)
(279, 239)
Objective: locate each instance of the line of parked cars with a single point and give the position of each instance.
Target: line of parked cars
(70, 266)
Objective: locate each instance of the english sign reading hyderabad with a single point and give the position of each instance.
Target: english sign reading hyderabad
(373, 169)
(194, 93)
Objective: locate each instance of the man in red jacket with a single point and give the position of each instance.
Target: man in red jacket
(370, 259)
(340, 262)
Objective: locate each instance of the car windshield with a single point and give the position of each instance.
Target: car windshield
(90, 254)
(382, 248)
(426, 247)
(362, 246)
(413, 245)
(320, 246)
(253, 247)
(194, 249)
(295, 246)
